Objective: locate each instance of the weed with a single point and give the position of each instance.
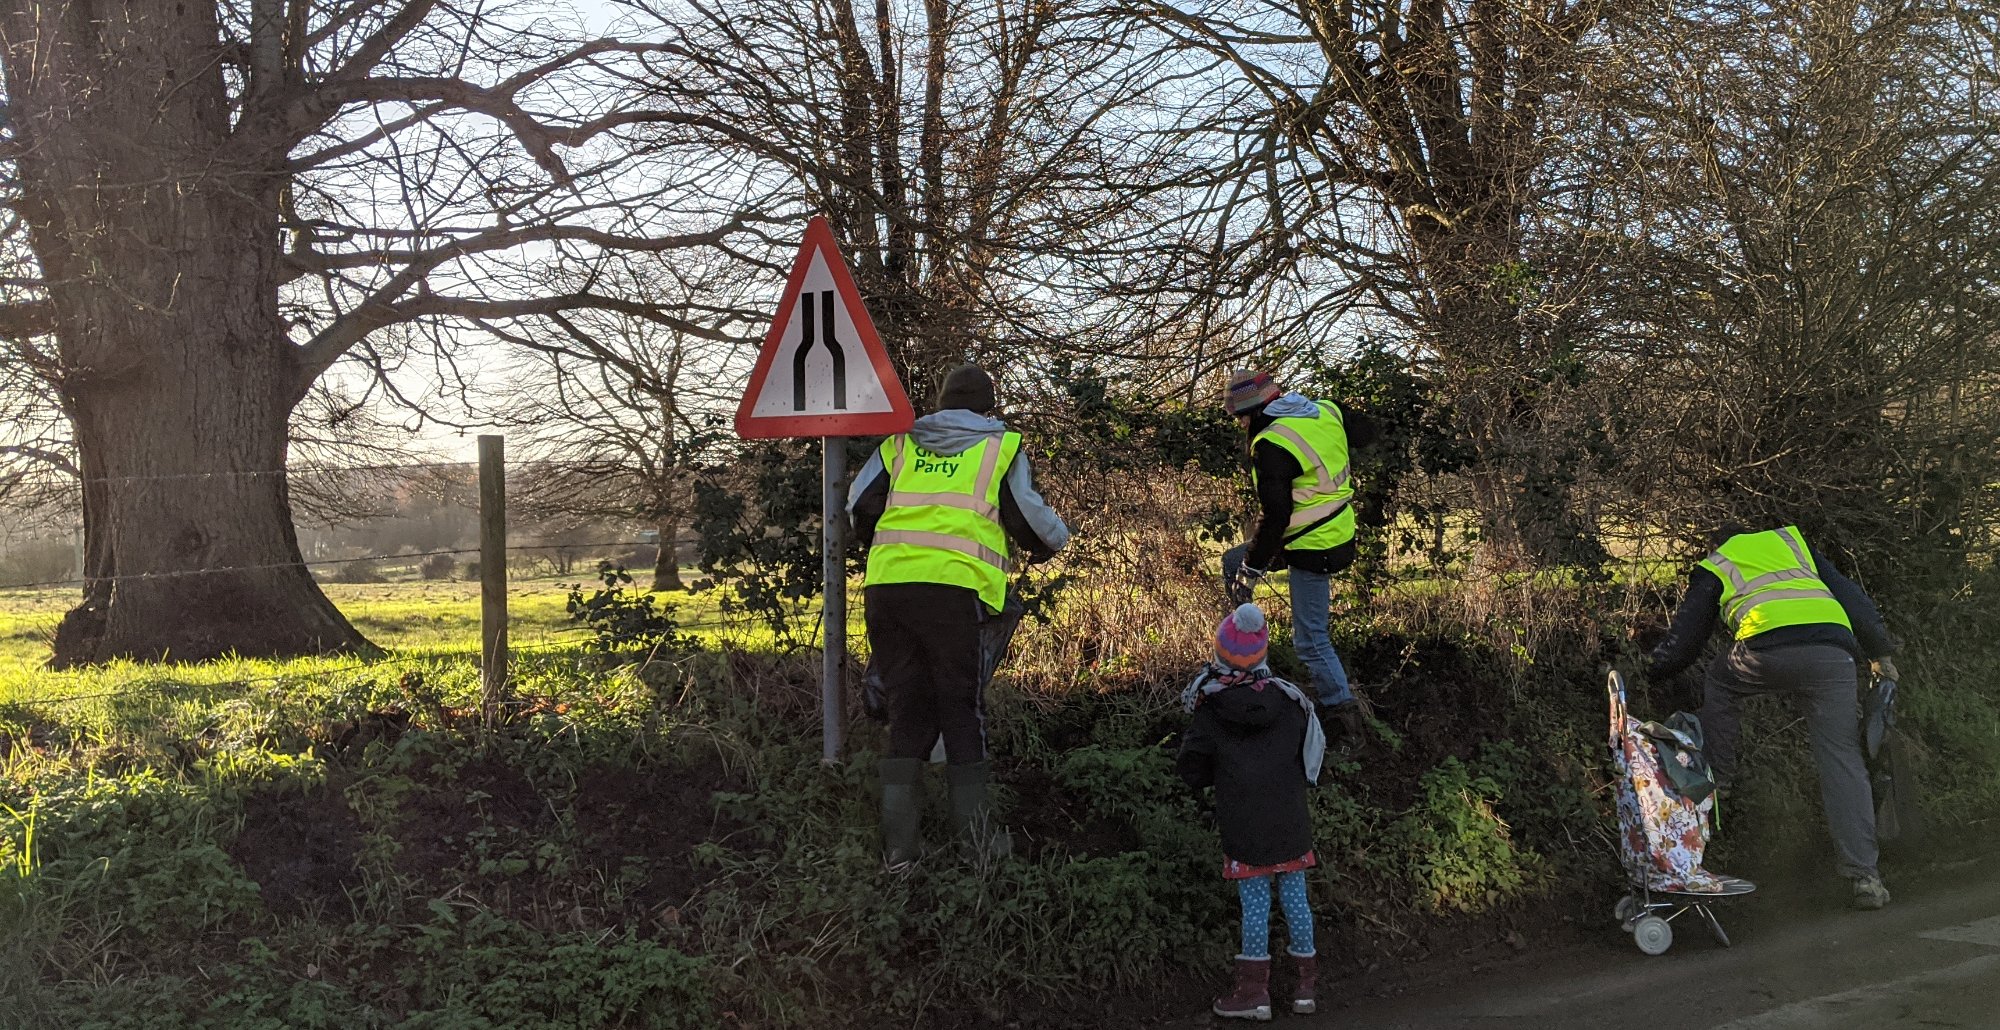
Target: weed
(1459, 855)
(621, 620)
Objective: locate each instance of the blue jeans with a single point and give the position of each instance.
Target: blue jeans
(1312, 610)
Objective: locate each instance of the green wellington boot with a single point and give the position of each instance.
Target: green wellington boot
(899, 811)
(972, 812)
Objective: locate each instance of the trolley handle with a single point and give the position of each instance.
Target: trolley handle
(1614, 685)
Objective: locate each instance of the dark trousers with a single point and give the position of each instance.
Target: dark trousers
(925, 637)
(1823, 678)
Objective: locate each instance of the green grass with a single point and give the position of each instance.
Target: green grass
(649, 839)
(338, 843)
(410, 619)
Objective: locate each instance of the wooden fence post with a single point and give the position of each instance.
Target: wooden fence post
(492, 577)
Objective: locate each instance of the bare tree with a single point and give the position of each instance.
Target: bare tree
(991, 169)
(1395, 157)
(225, 199)
(622, 412)
(1810, 202)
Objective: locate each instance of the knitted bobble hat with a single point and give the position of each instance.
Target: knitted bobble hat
(1244, 638)
(1248, 391)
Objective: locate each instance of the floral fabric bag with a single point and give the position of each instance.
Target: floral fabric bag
(1662, 833)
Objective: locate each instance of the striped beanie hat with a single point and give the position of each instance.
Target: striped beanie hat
(1243, 639)
(1249, 391)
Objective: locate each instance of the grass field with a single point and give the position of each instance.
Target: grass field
(413, 620)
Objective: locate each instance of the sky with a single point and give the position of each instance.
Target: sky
(597, 14)
(450, 444)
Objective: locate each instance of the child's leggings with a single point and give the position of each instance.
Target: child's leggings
(1256, 894)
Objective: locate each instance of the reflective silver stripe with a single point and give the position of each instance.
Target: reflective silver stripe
(1775, 578)
(941, 542)
(1729, 570)
(1325, 484)
(976, 505)
(896, 470)
(1310, 493)
(1798, 551)
(1743, 605)
(989, 463)
(1308, 516)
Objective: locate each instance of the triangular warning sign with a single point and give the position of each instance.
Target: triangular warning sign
(823, 371)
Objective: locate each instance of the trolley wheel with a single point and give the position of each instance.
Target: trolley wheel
(1653, 935)
(1628, 906)
(1714, 926)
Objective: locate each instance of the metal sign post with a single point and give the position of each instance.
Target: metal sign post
(833, 609)
(824, 373)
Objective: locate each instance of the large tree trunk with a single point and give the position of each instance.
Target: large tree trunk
(160, 248)
(667, 567)
(192, 532)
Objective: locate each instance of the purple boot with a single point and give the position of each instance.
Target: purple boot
(1252, 997)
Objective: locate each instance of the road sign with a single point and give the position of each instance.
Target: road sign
(823, 371)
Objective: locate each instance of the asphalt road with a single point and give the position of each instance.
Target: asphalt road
(1799, 962)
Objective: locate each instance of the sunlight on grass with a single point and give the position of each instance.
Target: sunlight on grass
(432, 624)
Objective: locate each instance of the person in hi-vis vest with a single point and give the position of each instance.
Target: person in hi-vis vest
(945, 510)
(1796, 625)
(1305, 491)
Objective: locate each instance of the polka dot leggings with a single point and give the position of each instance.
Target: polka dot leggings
(1256, 894)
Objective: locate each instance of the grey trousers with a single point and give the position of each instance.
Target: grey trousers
(1823, 677)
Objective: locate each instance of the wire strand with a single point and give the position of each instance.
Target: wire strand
(162, 685)
(63, 479)
(309, 563)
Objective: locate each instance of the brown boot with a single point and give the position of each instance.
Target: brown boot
(1304, 1002)
(1345, 729)
(1252, 997)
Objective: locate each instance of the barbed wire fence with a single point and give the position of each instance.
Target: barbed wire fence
(492, 551)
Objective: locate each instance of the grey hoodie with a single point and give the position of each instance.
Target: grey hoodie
(955, 431)
(1293, 405)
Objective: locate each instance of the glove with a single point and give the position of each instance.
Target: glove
(1884, 669)
(1243, 586)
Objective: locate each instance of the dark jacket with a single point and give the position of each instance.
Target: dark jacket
(1701, 611)
(1245, 742)
(1276, 468)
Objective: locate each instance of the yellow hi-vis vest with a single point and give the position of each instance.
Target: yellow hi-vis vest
(1770, 581)
(1322, 495)
(942, 522)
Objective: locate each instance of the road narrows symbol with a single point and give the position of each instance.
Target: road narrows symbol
(825, 335)
(853, 391)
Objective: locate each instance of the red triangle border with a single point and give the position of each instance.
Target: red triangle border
(819, 237)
